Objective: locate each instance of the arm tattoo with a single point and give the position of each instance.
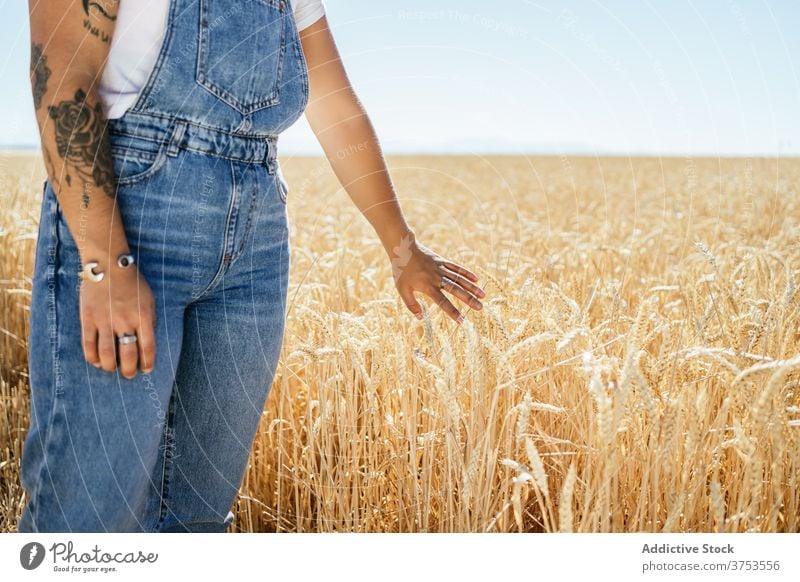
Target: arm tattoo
(82, 140)
(107, 8)
(55, 176)
(40, 73)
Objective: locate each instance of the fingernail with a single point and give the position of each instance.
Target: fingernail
(460, 318)
(418, 315)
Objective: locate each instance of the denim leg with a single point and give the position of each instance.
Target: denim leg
(227, 365)
(41, 348)
(93, 446)
(232, 342)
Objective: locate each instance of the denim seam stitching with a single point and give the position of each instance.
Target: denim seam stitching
(223, 156)
(134, 155)
(167, 462)
(247, 227)
(304, 65)
(224, 261)
(282, 53)
(53, 218)
(166, 148)
(225, 96)
(139, 136)
(175, 140)
(158, 163)
(162, 458)
(279, 186)
(155, 73)
(38, 483)
(190, 122)
(233, 217)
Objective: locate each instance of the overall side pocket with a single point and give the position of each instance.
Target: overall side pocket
(136, 158)
(282, 184)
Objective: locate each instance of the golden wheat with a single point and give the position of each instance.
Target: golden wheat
(635, 367)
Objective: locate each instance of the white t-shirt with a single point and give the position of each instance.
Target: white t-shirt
(138, 34)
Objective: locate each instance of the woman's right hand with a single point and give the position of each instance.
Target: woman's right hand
(121, 303)
(76, 145)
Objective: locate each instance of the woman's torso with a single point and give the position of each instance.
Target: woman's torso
(138, 36)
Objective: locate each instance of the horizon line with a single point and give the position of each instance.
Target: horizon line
(33, 149)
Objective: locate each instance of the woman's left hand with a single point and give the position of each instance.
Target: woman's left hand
(417, 268)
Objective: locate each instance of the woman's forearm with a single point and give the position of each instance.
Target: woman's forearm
(66, 64)
(354, 152)
(345, 133)
(77, 161)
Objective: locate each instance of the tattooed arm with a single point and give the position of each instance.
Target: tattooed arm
(66, 63)
(70, 41)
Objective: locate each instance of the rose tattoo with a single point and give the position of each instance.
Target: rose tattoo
(82, 140)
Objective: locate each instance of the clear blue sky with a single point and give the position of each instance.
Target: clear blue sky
(610, 76)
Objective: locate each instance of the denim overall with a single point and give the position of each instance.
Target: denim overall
(203, 201)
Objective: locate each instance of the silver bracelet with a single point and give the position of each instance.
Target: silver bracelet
(125, 261)
(88, 273)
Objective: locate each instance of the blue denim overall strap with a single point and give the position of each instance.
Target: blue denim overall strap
(237, 67)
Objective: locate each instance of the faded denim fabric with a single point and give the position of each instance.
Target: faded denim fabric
(203, 201)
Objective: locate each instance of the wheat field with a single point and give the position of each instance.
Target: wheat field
(635, 368)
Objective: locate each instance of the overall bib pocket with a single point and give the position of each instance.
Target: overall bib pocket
(240, 62)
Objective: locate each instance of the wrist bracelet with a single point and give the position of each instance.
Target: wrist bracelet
(88, 273)
(125, 261)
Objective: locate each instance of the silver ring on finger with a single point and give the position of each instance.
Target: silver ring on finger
(127, 338)
(444, 281)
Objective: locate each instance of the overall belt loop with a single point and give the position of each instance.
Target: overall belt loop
(176, 138)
